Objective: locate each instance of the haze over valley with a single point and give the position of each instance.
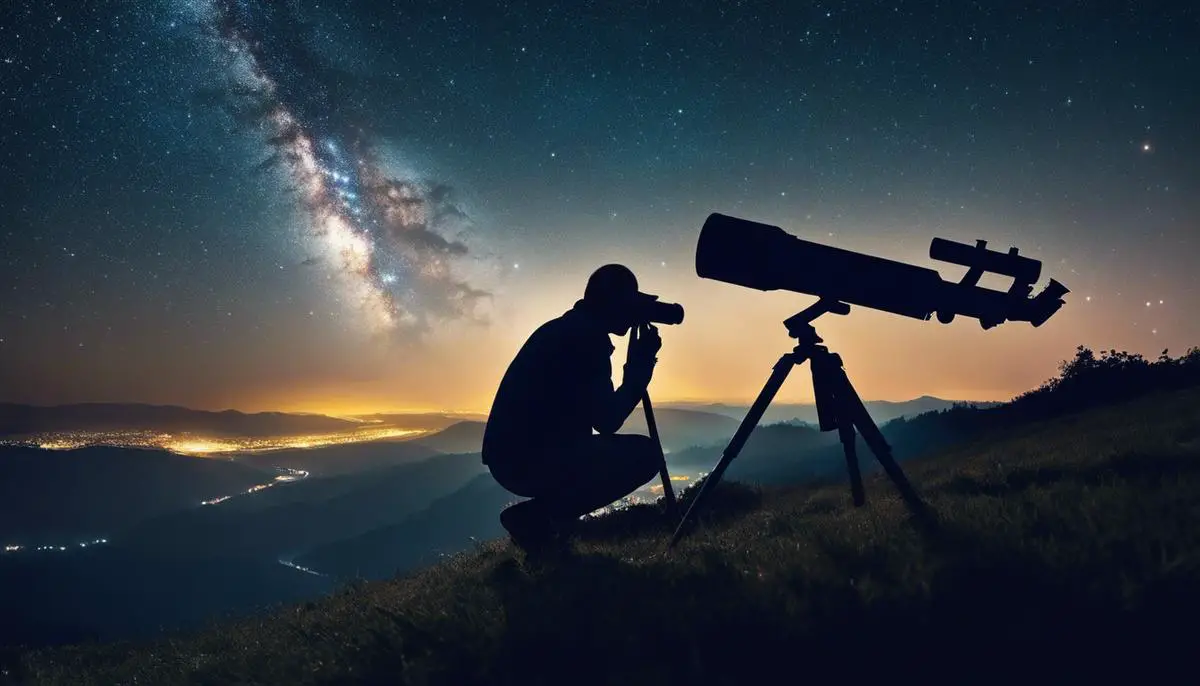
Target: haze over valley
(189, 515)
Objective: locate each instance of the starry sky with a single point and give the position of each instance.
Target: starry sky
(348, 207)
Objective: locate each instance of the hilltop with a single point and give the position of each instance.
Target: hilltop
(1065, 543)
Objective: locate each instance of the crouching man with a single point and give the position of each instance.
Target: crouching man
(539, 441)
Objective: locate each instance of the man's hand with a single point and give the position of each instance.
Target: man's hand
(644, 344)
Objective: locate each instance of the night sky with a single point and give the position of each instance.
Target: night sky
(346, 207)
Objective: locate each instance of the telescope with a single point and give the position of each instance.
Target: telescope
(767, 258)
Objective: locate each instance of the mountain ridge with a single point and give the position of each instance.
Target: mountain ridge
(18, 419)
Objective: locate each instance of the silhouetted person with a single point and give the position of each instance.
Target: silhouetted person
(539, 441)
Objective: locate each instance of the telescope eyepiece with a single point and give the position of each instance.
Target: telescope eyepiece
(1045, 304)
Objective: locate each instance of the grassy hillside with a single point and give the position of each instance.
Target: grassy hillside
(1068, 547)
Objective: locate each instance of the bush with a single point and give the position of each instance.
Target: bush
(1089, 380)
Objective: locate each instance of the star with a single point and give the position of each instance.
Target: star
(1146, 147)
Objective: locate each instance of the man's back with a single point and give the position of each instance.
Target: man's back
(546, 400)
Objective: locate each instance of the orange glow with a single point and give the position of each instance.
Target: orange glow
(722, 352)
(198, 447)
(250, 445)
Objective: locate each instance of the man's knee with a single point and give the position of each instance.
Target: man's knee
(643, 455)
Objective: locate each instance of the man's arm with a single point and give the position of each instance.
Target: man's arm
(611, 407)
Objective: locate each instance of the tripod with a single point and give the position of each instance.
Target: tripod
(668, 491)
(838, 407)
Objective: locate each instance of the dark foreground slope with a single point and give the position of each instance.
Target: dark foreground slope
(1070, 547)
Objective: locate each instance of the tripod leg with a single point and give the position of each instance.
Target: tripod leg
(856, 413)
(830, 414)
(766, 395)
(849, 447)
(668, 491)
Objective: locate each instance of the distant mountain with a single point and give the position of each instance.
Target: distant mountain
(678, 429)
(345, 458)
(782, 454)
(300, 515)
(426, 421)
(27, 419)
(881, 410)
(766, 445)
(460, 437)
(61, 496)
(445, 527)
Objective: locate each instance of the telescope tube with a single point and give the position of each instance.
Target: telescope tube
(767, 258)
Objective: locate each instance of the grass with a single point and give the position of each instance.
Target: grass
(1067, 549)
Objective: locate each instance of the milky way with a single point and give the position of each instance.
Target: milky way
(396, 240)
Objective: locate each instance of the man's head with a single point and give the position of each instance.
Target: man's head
(612, 294)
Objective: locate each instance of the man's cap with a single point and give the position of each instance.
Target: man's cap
(612, 284)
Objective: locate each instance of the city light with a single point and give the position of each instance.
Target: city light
(16, 548)
(288, 475)
(191, 444)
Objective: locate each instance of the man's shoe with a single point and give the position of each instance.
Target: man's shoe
(527, 524)
(534, 531)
